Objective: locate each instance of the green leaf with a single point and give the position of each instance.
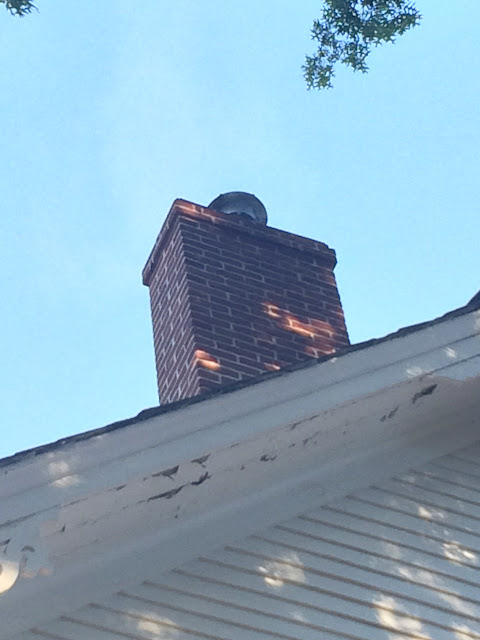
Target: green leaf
(18, 7)
(346, 32)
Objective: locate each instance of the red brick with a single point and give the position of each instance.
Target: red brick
(210, 277)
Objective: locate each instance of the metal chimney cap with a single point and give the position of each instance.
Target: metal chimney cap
(242, 204)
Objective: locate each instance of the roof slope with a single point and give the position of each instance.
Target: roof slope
(147, 414)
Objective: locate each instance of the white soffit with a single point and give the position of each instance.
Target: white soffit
(98, 514)
(398, 560)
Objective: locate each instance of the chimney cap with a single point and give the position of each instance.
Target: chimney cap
(240, 203)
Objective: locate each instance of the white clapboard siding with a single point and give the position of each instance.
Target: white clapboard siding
(450, 484)
(463, 467)
(472, 453)
(407, 519)
(397, 561)
(341, 541)
(413, 500)
(460, 476)
(384, 534)
(434, 489)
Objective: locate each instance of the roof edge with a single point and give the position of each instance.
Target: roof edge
(152, 412)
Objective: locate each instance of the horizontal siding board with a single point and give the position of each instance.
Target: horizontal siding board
(93, 623)
(336, 574)
(414, 501)
(428, 488)
(321, 611)
(461, 476)
(452, 484)
(471, 454)
(70, 631)
(219, 621)
(410, 539)
(451, 463)
(377, 512)
(30, 635)
(267, 615)
(396, 567)
(384, 547)
(445, 504)
(367, 605)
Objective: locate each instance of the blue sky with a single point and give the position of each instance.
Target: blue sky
(109, 111)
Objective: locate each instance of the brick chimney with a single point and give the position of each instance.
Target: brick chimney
(232, 298)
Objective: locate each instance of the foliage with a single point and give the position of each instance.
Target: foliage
(18, 7)
(347, 30)
(345, 33)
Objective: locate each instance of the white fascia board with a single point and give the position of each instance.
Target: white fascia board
(113, 509)
(408, 355)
